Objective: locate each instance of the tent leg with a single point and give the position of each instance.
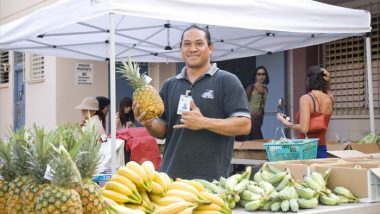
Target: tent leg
(369, 80)
(113, 92)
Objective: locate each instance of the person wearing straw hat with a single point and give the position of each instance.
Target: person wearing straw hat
(88, 108)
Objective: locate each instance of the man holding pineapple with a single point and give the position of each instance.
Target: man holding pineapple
(199, 142)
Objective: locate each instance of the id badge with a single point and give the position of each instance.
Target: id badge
(184, 103)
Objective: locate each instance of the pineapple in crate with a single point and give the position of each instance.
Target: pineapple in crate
(39, 155)
(18, 160)
(7, 173)
(60, 197)
(87, 162)
(146, 96)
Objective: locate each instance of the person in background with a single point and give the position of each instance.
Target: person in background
(257, 93)
(89, 106)
(125, 117)
(199, 140)
(318, 101)
(104, 104)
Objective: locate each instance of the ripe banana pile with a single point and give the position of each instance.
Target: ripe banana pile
(139, 189)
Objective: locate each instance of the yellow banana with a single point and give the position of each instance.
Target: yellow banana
(188, 210)
(158, 177)
(213, 198)
(146, 201)
(155, 198)
(193, 183)
(118, 187)
(166, 177)
(183, 186)
(149, 169)
(167, 200)
(157, 188)
(138, 169)
(173, 208)
(124, 180)
(212, 206)
(109, 201)
(187, 196)
(115, 196)
(206, 212)
(131, 175)
(125, 210)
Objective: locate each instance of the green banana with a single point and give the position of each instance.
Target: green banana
(272, 169)
(267, 175)
(285, 205)
(243, 202)
(255, 189)
(284, 182)
(345, 192)
(293, 204)
(306, 193)
(312, 184)
(292, 192)
(267, 205)
(241, 186)
(275, 207)
(325, 200)
(277, 178)
(257, 177)
(307, 203)
(284, 194)
(317, 177)
(250, 196)
(231, 182)
(268, 188)
(253, 205)
(208, 185)
(326, 175)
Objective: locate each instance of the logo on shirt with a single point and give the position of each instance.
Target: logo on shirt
(208, 94)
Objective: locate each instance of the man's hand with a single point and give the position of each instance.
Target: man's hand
(193, 119)
(139, 118)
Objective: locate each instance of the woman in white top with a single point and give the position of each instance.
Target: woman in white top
(125, 117)
(88, 108)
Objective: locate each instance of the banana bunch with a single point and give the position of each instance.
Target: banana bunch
(345, 195)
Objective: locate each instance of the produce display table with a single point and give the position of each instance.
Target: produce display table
(247, 161)
(359, 208)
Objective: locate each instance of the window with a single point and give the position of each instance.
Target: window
(346, 61)
(4, 67)
(37, 68)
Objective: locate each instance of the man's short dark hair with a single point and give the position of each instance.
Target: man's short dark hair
(205, 30)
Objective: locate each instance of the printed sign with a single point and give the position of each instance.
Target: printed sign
(84, 74)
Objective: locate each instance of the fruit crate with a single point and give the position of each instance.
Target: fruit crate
(292, 149)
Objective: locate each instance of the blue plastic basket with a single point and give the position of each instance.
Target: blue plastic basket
(292, 149)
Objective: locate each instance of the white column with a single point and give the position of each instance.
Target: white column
(370, 86)
(113, 92)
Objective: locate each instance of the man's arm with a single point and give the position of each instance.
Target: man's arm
(231, 126)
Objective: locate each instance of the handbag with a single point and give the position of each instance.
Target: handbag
(317, 123)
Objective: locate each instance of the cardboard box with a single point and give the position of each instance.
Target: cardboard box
(334, 146)
(363, 182)
(366, 148)
(301, 168)
(253, 149)
(348, 154)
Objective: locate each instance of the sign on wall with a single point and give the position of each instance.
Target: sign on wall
(84, 73)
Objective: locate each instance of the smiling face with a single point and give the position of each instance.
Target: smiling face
(195, 50)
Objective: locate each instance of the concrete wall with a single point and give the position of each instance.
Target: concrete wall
(69, 94)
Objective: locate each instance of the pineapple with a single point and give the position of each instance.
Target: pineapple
(8, 174)
(18, 160)
(146, 96)
(59, 197)
(87, 163)
(39, 155)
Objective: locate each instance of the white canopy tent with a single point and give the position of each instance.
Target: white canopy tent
(150, 30)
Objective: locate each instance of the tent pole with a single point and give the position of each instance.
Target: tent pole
(113, 92)
(369, 80)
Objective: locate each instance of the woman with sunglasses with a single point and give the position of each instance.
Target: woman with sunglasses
(257, 93)
(315, 109)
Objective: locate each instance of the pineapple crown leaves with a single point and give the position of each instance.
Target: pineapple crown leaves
(6, 169)
(89, 157)
(18, 147)
(39, 154)
(63, 167)
(131, 71)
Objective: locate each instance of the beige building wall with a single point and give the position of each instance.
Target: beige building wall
(6, 103)
(69, 94)
(40, 97)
